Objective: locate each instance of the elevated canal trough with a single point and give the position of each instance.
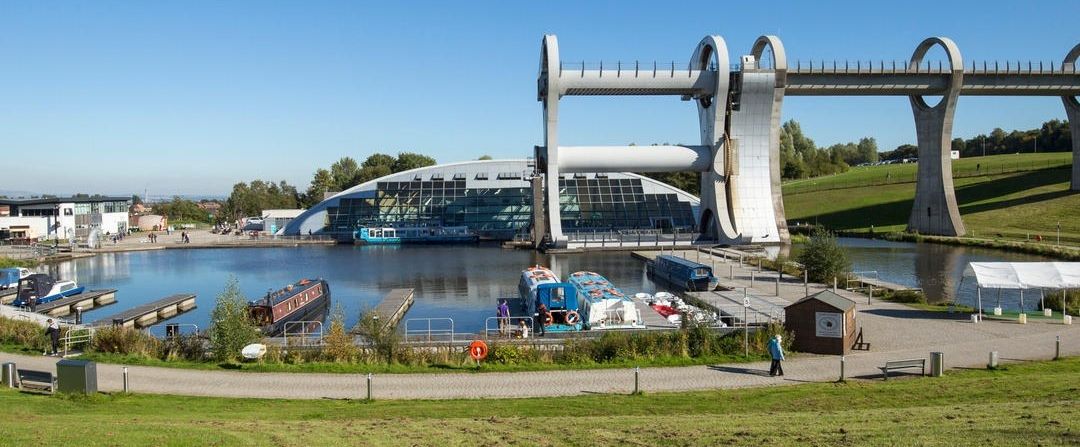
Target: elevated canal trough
(86, 301)
(151, 313)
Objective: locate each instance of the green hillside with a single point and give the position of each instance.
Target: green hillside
(1004, 196)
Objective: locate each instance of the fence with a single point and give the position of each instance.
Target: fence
(306, 336)
(429, 333)
(632, 238)
(507, 327)
(906, 174)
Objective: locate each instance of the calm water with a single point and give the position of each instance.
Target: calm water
(461, 282)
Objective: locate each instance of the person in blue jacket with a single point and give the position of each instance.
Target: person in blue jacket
(777, 353)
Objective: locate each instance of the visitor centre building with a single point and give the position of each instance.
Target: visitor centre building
(494, 198)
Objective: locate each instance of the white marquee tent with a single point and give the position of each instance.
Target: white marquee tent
(1024, 275)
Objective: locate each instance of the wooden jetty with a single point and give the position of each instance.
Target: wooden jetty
(393, 306)
(87, 300)
(865, 282)
(762, 310)
(7, 296)
(651, 318)
(151, 313)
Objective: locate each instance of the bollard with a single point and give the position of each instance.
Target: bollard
(369, 386)
(78, 314)
(834, 284)
(993, 364)
(806, 282)
(125, 379)
(843, 361)
(637, 372)
(759, 264)
(732, 273)
(777, 286)
(1057, 347)
(9, 374)
(751, 279)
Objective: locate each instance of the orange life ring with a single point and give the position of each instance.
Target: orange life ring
(547, 319)
(572, 317)
(478, 350)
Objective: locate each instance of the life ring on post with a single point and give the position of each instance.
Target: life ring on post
(478, 350)
(572, 317)
(547, 319)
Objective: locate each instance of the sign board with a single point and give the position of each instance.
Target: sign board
(829, 325)
(746, 301)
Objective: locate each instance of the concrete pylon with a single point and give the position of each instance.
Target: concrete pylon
(779, 57)
(716, 202)
(549, 67)
(1072, 112)
(935, 210)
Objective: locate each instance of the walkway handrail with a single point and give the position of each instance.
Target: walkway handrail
(513, 323)
(428, 331)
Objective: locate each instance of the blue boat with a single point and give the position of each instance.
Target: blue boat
(541, 285)
(413, 235)
(603, 305)
(682, 273)
(40, 288)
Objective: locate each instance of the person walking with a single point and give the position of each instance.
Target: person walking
(543, 317)
(53, 330)
(504, 317)
(777, 353)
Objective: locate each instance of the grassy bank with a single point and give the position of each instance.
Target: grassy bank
(971, 407)
(1013, 206)
(6, 262)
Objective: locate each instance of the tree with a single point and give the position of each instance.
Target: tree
(231, 327)
(320, 184)
(868, 150)
(408, 160)
(484, 157)
(823, 258)
(378, 159)
(345, 173)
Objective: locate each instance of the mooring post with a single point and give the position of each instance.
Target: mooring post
(637, 372)
(125, 379)
(368, 386)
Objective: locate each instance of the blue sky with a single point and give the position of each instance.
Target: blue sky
(190, 97)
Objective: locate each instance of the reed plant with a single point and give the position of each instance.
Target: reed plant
(23, 334)
(126, 342)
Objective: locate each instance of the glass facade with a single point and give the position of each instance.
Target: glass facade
(490, 212)
(587, 204)
(619, 204)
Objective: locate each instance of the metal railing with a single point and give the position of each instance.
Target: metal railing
(304, 337)
(928, 67)
(427, 333)
(512, 324)
(77, 336)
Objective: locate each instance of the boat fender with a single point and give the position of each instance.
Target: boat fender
(572, 317)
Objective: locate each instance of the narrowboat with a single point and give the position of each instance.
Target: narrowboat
(682, 273)
(413, 235)
(541, 285)
(603, 305)
(39, 288)
(303, 301)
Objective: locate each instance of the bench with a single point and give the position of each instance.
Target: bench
(36, 380)
(903, 364)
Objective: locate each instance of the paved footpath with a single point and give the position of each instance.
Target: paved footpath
(896, 332)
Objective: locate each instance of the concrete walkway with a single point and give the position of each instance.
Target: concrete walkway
(895, 332)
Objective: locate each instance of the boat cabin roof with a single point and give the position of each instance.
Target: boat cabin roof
(593, 286)
(277, 296)
(682, 261)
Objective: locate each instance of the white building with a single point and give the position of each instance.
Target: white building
(274, 221)
(65, 217)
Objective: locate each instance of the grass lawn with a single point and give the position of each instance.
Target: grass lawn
(1029, 404)
(1013, 206)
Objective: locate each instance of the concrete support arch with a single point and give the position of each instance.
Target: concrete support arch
(549, 95)
(1072, 112)
(779, 63)
(716, 202)
(935, 210)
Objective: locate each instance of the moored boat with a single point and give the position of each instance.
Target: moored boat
(10, 277)
(603, 305)
(39, 288)
(682, 273)
(541, 285)
(302, 302)
(413, 235)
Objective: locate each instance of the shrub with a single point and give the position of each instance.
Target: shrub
(126, 341)
(823, 258)
(338, 345)
(230, 326)
(506, 354)
(907, 296)
(385, 341)
(190, 347)
(23, 333)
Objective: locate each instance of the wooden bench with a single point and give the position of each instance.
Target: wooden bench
(36, 380)
(903, 364)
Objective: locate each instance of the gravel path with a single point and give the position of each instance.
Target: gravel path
(896, 332)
